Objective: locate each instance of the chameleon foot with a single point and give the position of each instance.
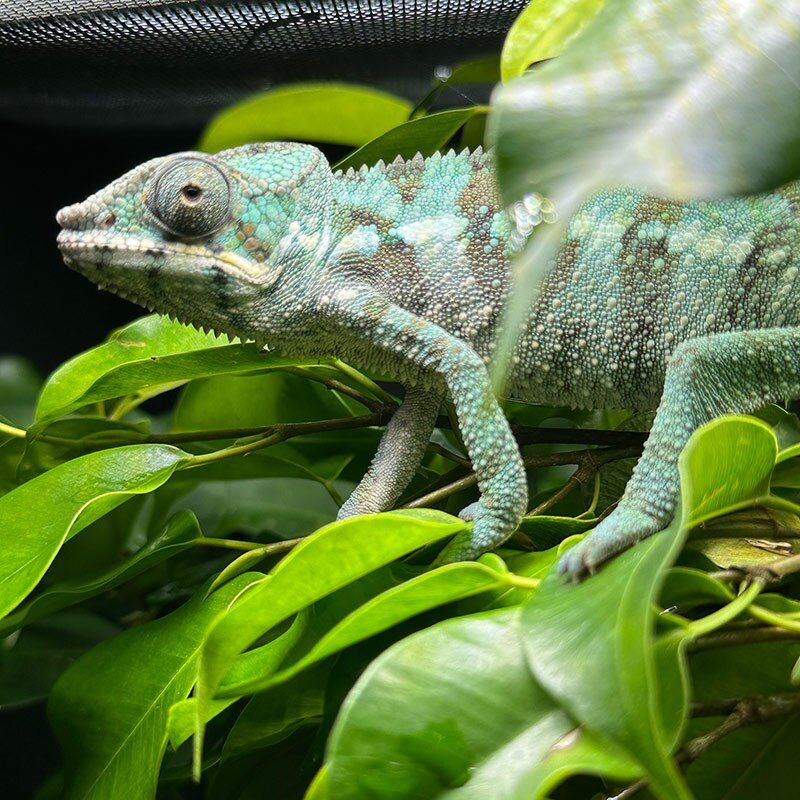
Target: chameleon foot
(617, 532)
(487, 533)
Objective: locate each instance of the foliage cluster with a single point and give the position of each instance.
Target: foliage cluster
(175, 587)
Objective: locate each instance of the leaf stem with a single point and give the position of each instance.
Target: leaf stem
(228, 544)
(773, 618)
(365, 382)
(10, 430)
(337, 386)
(521, 582)
(712, 621)
(132, 401)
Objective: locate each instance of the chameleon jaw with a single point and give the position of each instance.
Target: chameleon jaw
(127, 266)
(95, 249)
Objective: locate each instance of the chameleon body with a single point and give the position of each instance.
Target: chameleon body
(692, 308)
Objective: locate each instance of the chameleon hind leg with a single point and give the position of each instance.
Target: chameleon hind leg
(400, 452)
(728, 373)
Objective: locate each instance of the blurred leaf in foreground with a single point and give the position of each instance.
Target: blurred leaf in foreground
(684, 98)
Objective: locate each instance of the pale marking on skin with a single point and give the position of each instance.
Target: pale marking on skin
(255, 272)
(446, 227)
(362, 241)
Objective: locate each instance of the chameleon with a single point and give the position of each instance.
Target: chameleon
(689, 308)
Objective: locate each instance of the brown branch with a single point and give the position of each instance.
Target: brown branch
(741, 712)
(588, 460)
(735, 638)
(525, 435)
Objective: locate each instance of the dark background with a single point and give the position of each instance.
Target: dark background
(47, 312)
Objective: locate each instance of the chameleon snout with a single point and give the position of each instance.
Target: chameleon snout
(86, 216)
(70, 217)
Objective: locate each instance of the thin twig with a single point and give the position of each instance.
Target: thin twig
(338, 386)
(282, 432)
(771, 572)
(588, 467)
(525, 435)
(593, 459)
(735, 638)
(573, 482)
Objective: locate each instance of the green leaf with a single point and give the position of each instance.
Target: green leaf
(727, 553)
(719, 481)
(420, 594)
(328, 560)
(453, 712)
(65, 438)
(241, 401)
(151, 353)
(474, 71)
(542, 31)
(271, 716)
(181, 533)
(547, 531)
(752, 761)
(785, 425)
(263, 659)
(645, 98)
(590, 646)
(425, 135)
(338, 113)
(686, 588)
(279, 507)
(43, 513)
(110, 708)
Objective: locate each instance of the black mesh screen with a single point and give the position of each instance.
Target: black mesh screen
(116, 60)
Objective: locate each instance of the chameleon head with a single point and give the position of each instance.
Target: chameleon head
(206, 239)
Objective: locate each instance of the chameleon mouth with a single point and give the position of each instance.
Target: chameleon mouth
(125, 267)
(87, 251)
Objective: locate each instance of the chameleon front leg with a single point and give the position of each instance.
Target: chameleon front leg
(729, 373)
(429, 349)
(400, 452)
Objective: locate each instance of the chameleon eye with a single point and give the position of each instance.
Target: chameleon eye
(190, 198)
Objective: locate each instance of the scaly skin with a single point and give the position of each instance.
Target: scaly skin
(404, 268)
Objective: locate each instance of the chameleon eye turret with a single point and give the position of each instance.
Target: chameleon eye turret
(190, 198)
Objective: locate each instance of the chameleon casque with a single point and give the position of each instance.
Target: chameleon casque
(691, 307)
